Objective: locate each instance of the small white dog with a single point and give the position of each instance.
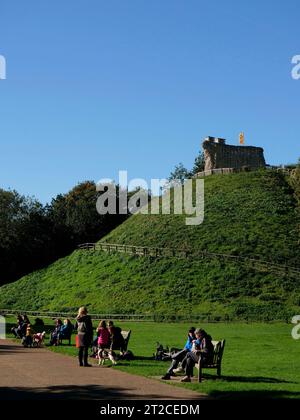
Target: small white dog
(104, 354)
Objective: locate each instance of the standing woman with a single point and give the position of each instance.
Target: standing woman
(84, 328)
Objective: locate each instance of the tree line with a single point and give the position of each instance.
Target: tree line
(33, 235)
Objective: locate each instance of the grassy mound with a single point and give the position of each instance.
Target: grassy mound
(247, 214)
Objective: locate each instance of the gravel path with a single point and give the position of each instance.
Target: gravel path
(42, 374)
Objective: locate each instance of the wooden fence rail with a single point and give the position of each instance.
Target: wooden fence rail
(155, 252)
(73, 314)
(155, 317)
(224, 171)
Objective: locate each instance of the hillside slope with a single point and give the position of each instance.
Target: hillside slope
(247, 214)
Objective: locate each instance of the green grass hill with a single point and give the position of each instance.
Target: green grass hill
(251, 214)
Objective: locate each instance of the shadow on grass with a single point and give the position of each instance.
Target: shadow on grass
(144, 358)
(254, 395)
(249, 379)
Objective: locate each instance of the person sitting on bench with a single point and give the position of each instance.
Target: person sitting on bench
(55, 333)
(202, 347)
(18, 330)
(116, 337)
(65, 330)
(180, 356)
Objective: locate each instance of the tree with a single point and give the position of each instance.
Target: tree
(295, 181)
(33, 236)
(76, 214)
(199, 163)
(180, 173)
(24, 233)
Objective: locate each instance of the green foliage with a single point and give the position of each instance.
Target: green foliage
(32, 236)
(199, 164)
(179, 173)
(295, 181)
(249, 214)
(25, 234)
(76, 211)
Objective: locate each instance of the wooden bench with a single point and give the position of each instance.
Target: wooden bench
(67, 337)
(216, 361)
(126, 336)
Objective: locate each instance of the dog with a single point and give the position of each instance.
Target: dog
(38, 339)
(105, 354)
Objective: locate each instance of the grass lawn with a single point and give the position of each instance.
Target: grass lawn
(260, 360)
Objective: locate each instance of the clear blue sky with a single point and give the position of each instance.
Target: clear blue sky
(96, 86)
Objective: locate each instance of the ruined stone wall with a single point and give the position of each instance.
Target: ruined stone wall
(220, 155)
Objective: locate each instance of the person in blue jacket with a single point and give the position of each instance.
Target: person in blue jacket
(180, 356)
(66, 329)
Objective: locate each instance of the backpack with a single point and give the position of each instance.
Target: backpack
(161, 353)
(128, 355)
(81, 327)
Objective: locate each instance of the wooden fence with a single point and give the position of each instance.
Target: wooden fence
(155, 252)
(155, 317)
(72, 315)
(224, 171)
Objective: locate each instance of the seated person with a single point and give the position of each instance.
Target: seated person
(55, 333)
(180, 356)
(24, 325)
(18, 330)
(203, 348)
(28, 339)
(65, 330)
(116, 337)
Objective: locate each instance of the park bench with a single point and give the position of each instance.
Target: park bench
(126, 336)
(66, 337)
(216, 361)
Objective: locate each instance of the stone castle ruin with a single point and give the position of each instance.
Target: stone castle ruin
(219, 155)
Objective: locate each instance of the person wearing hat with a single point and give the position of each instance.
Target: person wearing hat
(180, 356)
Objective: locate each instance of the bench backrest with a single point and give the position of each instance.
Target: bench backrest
(126, 336)
(218, 351)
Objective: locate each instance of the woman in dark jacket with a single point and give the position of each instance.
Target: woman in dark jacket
(84, 328)
(117, 339)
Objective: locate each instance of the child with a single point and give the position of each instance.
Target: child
(104, 341)
(103, 336)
